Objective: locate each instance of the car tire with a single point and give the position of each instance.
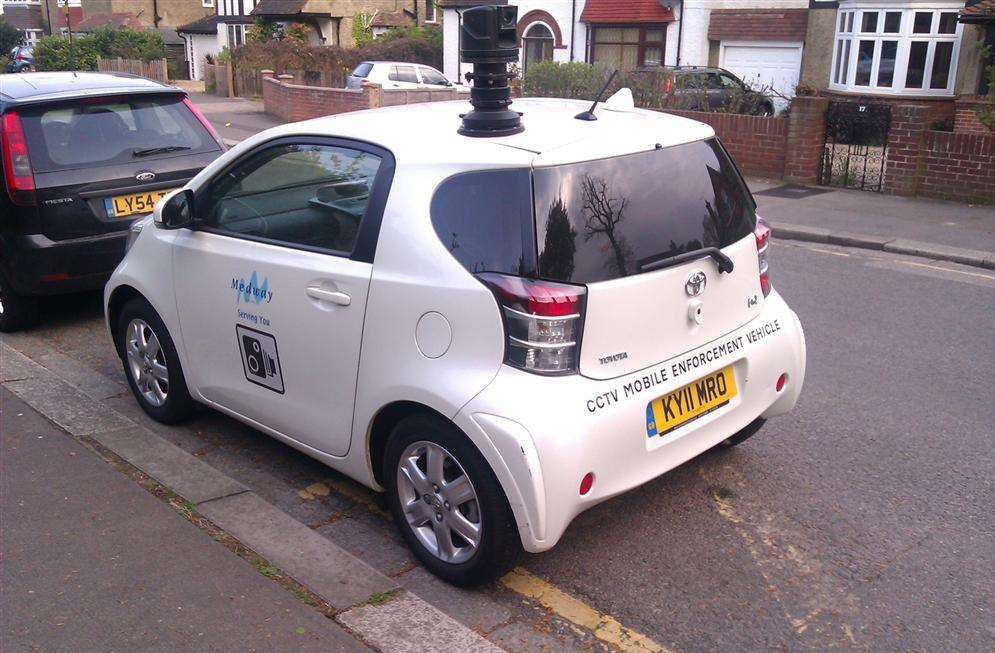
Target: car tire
(481, 504)
(151, 364)
(17, 312)
(743, 434)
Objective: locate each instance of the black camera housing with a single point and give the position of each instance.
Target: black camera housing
(489, 41)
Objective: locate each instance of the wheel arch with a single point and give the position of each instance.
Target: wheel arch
(115, 304)
(384, 422)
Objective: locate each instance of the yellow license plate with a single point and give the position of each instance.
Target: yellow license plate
(124, 205)
(697, 398)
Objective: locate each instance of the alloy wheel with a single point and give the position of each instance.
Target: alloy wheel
(147, 362)
(439, 502)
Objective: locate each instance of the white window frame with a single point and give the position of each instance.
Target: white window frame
(207, 3)
(434, 16)
(230, 30)
(854, 10)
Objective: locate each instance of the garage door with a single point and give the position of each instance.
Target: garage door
(773, 65)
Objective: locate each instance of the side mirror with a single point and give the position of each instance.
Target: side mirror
(175, 211)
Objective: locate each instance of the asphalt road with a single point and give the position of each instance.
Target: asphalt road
(863, 520)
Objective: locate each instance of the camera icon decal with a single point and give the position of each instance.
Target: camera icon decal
(260, 358)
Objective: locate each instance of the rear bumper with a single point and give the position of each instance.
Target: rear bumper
(37, 265)
(543, 434)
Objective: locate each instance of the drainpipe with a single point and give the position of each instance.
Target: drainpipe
(155, 14)
(680, 34)
(573, 27)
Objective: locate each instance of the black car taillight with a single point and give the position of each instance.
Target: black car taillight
(762, 233)
(543, 322)
(16, 162)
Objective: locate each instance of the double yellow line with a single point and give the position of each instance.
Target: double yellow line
(605, 627)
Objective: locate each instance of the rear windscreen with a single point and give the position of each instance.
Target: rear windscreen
(608, 218)
(115, 130)
(362, 70)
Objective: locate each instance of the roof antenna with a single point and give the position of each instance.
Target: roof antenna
(589, 114)
(489, 41)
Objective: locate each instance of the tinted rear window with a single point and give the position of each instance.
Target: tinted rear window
(604, 219)
(362, 70)
(485, 220)
(110, 131)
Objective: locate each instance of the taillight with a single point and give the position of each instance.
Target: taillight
(762, 233)
(204, 121)
(543, 322)
(16, 162)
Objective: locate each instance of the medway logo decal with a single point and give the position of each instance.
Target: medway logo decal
(252, 291)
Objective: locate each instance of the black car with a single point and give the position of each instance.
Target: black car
(701, 88)
(83, 156)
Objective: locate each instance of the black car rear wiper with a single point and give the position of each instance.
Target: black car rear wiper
(724, 262)
(159, 150)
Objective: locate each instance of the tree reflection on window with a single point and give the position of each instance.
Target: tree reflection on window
(603, 214)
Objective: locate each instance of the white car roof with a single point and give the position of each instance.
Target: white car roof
(427, 133)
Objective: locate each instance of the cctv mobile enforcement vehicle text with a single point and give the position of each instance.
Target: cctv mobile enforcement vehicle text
(499, 327)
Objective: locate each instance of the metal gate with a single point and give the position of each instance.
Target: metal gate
(856, 145)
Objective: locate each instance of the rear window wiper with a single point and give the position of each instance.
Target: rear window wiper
(159, 150)
(724, 262)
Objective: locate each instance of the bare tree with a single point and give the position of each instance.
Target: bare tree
(603, 213)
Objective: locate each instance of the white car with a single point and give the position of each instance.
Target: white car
(399, 74)
(499, 332)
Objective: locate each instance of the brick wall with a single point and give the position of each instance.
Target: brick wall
(958, 166)
(757, 144)
(966, 116)
(908, 125)
(292, 102)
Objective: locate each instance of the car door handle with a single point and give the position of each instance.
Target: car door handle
(325, 295)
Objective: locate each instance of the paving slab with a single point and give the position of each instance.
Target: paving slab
(337, 576)
(82, 377)
(15, 365)
(375, 546)
(975, 257)
(181, 472)
(865, 241)
(408, 624)
(799, 232)
(64, 405)
(92, 562)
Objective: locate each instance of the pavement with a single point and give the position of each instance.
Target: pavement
(94, 562)
(933, 229)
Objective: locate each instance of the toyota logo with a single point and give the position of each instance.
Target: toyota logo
(695, 285)
(145, 176)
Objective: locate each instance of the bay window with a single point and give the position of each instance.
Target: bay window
(628, 47)
(896, 48)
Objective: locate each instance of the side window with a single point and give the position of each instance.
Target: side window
(430, 76)
(403, 74)
(296, 194)
(713, 81)
(730, 82)
(485, 220)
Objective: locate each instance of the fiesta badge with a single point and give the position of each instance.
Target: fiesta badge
(695, 285)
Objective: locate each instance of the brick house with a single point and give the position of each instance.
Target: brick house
(38, 18)
(762, 41)
(329, 21)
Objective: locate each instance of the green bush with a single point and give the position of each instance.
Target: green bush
(10, 37)
(283, 56)
(574, 80)
(52, 52)
(432, 35)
